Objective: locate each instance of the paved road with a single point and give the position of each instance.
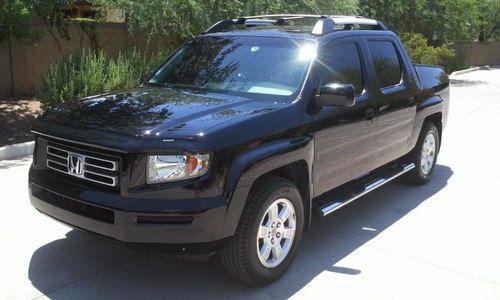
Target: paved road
(401, 242)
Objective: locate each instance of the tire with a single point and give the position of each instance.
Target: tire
(427, 146)
(240, 256)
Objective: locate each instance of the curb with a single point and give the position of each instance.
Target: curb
(469, 70)
(16, 150)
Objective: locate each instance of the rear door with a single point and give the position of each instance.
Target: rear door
(344, 136)
(394, 102)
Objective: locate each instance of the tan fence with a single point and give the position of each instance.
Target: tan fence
(30, 62)
(479, 54)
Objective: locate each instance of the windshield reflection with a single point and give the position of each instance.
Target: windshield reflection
(249, 65)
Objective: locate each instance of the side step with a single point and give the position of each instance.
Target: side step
(373, 185)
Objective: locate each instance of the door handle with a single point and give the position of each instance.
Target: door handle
(412, 102)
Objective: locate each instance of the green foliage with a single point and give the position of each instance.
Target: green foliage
(338, 7)
(440, 21)
(14, 22)
(489, 27)
(185, 18)
(129, 70)
(85, 74)
(91, 30)
(162, 18)
(50, 13)
(421, 52)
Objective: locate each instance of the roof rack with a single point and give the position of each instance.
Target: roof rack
(324, 25)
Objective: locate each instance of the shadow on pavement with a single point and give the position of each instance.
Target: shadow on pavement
(82, 266)
(463, 82)
(9, 164)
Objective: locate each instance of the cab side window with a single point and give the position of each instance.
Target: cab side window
(342, 64)
(386, 63)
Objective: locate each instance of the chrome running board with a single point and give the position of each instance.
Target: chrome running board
(334, 205)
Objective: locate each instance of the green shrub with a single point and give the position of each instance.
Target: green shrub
(422, 53)
(84, 74)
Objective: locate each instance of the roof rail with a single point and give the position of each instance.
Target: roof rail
(324, 25)
(282, 16)
(279, 19)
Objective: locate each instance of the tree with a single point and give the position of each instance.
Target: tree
(489, 27)
(14, 25)
(53, 18)
(14, 22)
(338, 7)
(90, 28)
(185, 18)
(440, 21)
(181, 18)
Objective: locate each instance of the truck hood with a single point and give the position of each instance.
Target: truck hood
(154, 111)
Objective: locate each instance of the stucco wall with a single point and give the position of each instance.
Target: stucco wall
(30, 62)
(480, 54)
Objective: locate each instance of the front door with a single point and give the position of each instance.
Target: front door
(344, 136)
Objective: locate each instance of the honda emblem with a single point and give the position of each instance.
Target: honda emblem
(75, 164)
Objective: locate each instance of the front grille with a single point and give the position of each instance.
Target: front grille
(83, 164)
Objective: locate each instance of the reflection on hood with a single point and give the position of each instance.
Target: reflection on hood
(155, 111)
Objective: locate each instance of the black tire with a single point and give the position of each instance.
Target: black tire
(417, 176)
(239, 256)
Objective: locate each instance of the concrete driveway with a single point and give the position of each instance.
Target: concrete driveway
(439, 241)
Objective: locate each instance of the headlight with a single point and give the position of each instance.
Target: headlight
(165, 168)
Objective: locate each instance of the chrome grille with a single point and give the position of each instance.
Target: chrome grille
(83, 165)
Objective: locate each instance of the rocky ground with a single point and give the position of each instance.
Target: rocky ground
(16, 118)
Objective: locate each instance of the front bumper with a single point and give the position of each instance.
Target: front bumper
(196, 228)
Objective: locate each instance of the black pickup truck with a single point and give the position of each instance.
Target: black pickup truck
(240, 136)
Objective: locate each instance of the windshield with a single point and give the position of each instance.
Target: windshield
(248, 65)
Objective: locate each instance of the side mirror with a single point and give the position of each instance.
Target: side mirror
(337, 94)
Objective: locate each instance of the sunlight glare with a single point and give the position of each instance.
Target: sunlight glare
(307, 52)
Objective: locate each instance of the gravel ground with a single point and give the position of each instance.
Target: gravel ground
(16, 118)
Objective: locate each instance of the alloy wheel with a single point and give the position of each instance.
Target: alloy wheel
(428, 153)
(276, 233)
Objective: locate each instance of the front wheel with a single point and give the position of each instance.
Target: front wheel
(270, 229)
(424, 155)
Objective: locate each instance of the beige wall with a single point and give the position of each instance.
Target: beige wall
(480, 54)
(5, 84)
(31, 62)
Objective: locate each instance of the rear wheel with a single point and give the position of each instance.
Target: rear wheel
(424, 155)
(270, 229)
